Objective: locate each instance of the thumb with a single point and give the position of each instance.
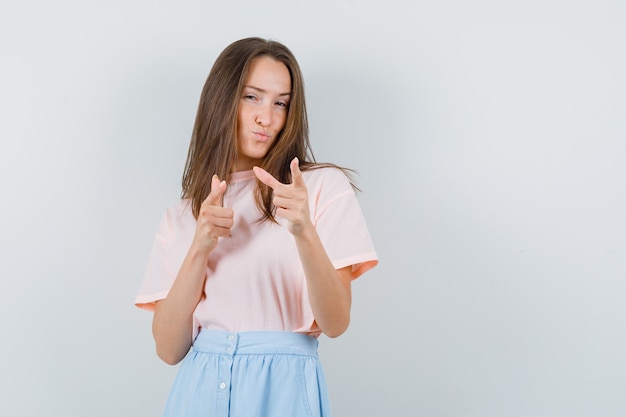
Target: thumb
(296, 174)
(217, 191)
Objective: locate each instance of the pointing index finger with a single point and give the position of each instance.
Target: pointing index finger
(266, 178)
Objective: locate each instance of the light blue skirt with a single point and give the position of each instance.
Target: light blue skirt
(250, 374)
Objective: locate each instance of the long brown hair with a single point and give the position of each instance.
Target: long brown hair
(213, 146)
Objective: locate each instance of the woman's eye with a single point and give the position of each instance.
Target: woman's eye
(281, 104)
(249, 97)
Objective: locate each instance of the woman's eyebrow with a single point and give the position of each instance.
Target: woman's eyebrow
(260, 90)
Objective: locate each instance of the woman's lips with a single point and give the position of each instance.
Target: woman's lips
(261, 137)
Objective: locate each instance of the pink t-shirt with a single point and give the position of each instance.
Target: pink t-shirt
(255, 280)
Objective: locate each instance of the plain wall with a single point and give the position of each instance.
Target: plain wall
(490, 138)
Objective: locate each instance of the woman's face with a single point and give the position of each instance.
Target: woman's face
(263, 108)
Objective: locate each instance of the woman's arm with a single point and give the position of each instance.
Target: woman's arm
(328, 288)
(172, 322)
(173, 316)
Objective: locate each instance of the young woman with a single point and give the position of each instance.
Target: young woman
(257, 259)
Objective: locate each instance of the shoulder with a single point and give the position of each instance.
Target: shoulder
(177, 218)
(179, 209)
(327, 187)
(327, 178)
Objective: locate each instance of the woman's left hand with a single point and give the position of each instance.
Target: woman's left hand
(291, 200)
(329, 289)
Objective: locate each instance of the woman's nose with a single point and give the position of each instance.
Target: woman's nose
(264, 116)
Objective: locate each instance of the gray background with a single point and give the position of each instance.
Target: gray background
(490, 141)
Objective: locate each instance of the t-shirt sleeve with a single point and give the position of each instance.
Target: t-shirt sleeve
(169, 248)
(340, 223)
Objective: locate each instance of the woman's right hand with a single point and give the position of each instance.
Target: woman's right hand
(173, 316)
(214, 221)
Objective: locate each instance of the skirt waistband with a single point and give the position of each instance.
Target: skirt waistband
(255, 343)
